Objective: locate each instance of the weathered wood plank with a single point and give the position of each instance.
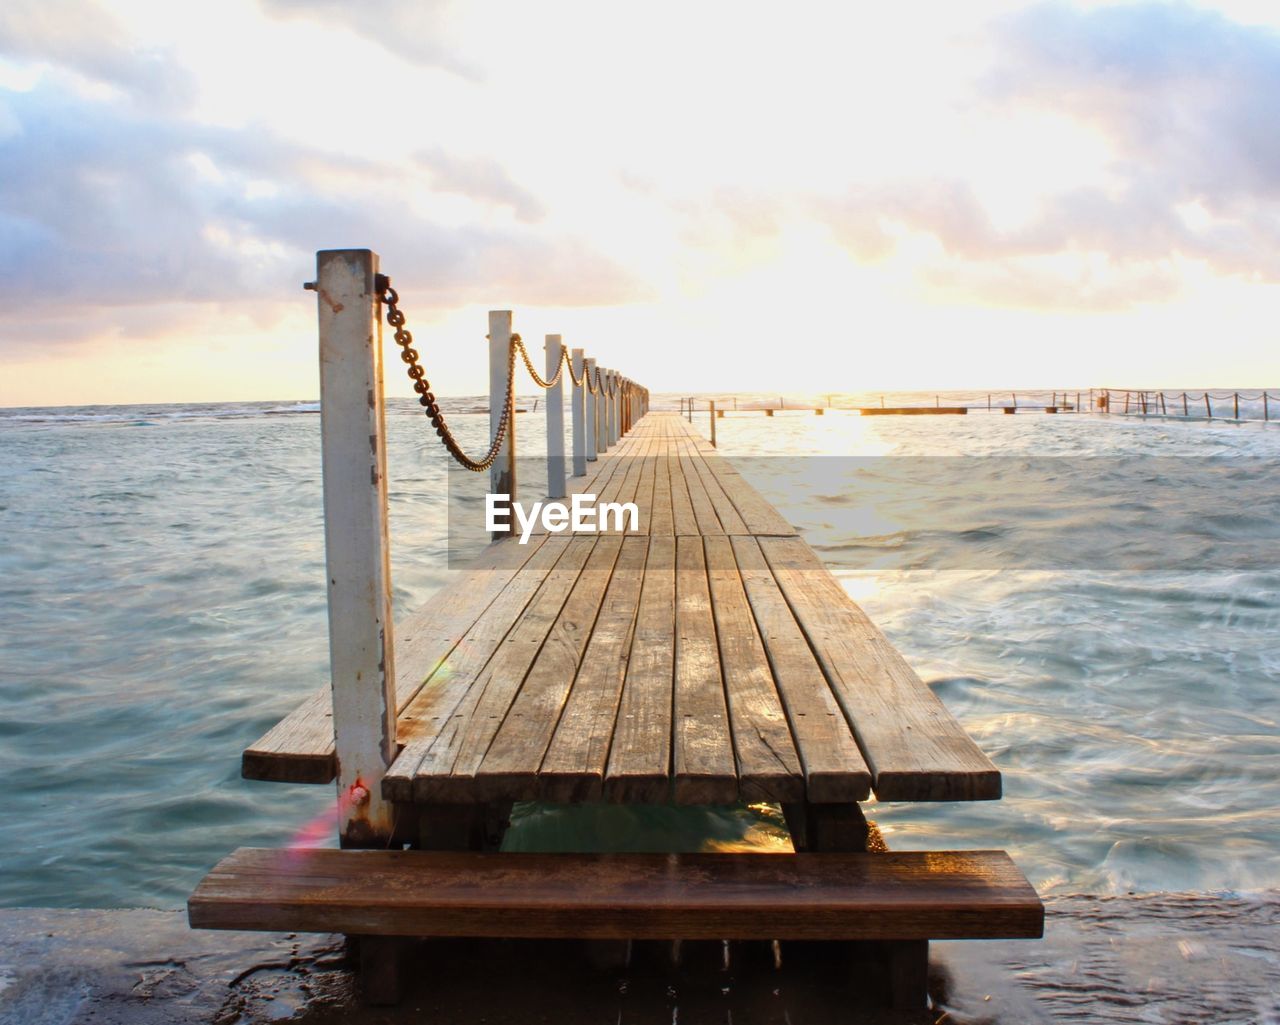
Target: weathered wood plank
(704, 766)
(448, 767)
(639, 767)
(834, 769)
(758, 514)
(644, 489)
(574, 766)
(768, 766)
(703, 510)
(660, 521)
(438, 701)
(299, 748)
(683, 520)
(914, 747)
(884, 896)
(509, 767)
(730, 520)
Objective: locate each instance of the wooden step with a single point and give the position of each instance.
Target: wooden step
(908, 895)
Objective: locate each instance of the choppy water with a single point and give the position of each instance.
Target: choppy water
(1110, 640)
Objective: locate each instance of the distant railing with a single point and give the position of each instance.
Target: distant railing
(1132, 402)
(1141, 402)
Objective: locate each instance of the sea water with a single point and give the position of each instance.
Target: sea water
(1097, 599)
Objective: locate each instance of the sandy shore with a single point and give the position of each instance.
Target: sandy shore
(1167, 958)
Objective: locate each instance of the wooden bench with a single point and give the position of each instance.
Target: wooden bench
(901, 899)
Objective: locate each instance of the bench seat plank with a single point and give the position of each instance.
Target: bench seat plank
(886, 896)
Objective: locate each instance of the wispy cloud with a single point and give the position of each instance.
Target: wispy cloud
(416, 30)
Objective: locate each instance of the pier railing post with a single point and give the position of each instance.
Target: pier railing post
(592, 432)
(606, 409)
(357, 553)
(713, 423)
(616, 408)
(610, 408)
(555, 420)
(502, 474)
(602, 413)
(578, 416)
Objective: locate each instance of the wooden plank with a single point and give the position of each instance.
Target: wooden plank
(730, 521)
(448, 767)
(915, 748)
(509, 767)
(704, 767)
(660, 522)
(883, 896)
(758, 514)
(645, 486)
(683, 521)
(574, 766)
(834, 769)
(703, 510)
(435, 705)
(768, 766)
(299, 748)
(639, 766)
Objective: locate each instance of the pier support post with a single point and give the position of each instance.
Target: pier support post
(578, 416)
(502, 474)
(908, 970)
(357, 553)
(592, 433)
(555, 420)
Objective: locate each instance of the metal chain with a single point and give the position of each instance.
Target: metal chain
(390, 298)
(518, 342)
(404, 338)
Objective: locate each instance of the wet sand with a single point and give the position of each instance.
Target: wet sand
(1168, 958)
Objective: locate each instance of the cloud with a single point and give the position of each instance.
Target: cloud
(1178, 89)
(123, 215)
(416, 30)
(481, 179)
(84, 38)
(1187, 101)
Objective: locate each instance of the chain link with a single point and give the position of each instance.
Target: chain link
(518, 342)
(404, 338)
(390, 298)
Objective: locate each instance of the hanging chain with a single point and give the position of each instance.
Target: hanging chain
(518, 342)
(390, 298)
(404, 338)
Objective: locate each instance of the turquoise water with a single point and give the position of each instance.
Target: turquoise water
(1110, 642)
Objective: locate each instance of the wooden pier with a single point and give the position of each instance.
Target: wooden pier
(702, 655)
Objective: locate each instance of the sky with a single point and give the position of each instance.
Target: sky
(706, 196)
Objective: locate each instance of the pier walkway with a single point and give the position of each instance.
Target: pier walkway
(706, 657)
(698, 655)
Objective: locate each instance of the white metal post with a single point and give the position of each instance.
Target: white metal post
(357, 553)
(593, 415)
(610, 435)
(502, 474)
(617, 406)
(579, 417)
(555, 420)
